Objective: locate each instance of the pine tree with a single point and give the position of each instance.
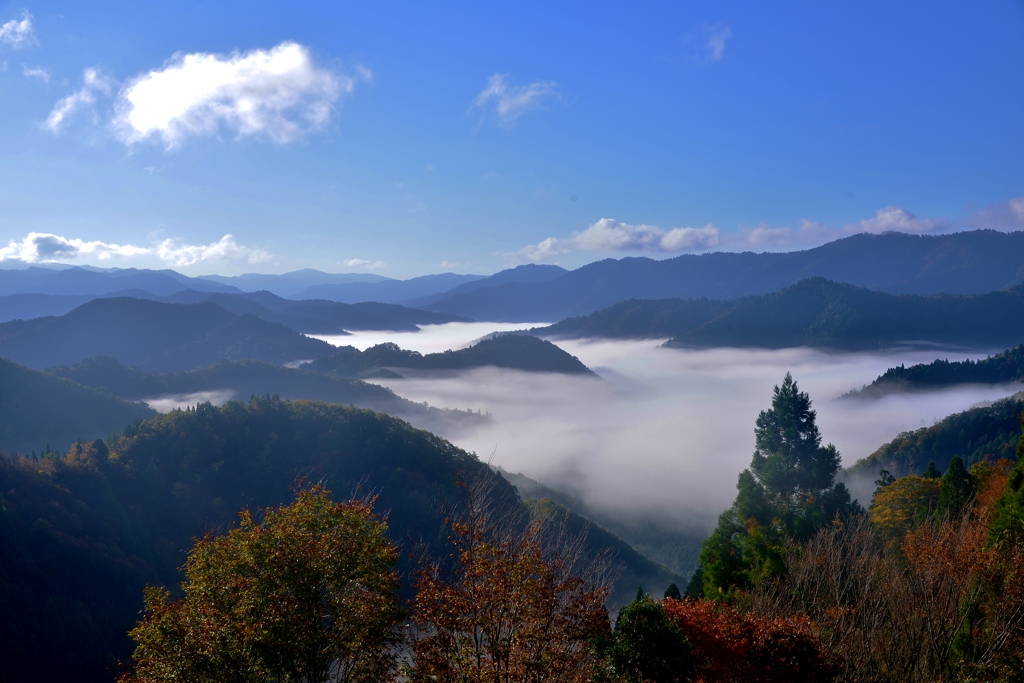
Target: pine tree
(788, 492)
(955, 489)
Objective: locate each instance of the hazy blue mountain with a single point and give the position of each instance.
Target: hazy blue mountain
(79, 281)
(37, 409)
(1001, 368)
(28, 306)
(82, 535)
(821, 313)
(255, 378)
(516, 352)
(528, 273)
(386, 291)
(153, 335)
(961, 263)
(289, 284)
(987, 431)
(640, 318)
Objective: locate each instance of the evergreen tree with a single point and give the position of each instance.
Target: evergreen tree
(788, 492)
(647, 646)
(932, 472)
(955, 489)
(672, 592)
(1009, 518)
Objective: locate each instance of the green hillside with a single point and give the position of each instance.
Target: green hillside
(81, 536)
(517, 352)
(37, 409)
(983, 432)
(1001, 368)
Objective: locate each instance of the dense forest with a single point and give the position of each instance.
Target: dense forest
(83, 533)
(1001, 368)
(516, 352)
(983, 433)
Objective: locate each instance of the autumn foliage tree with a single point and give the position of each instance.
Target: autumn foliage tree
(307, 594)
(514, 604)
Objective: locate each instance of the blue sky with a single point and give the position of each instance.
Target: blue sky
(409, 139)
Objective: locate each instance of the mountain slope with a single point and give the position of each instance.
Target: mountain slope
(154, 336)
(960, 263)
(386, 291)
(528, 273)
(518, 352)
(79, 281)
(37, 409)
(1001, 368)
(976, 434)
(821, 313)
(81, 537)
(638, 318)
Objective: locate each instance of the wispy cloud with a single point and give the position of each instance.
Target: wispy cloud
(716, 35)
(361, 264)
(509, 102)
(19, 34)
(610, 235)
(36, 72)
(93, 83)
(38, 247)
(1004, 216)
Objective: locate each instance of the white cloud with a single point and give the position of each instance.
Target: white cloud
(895, 219)
(509, 102)
(19, 34)
(277, 93)
(224, 249)
(361, 264)
(449, 264)
(1008, 215)
(716, 34)
(38, 247)
(609, 234)
(93, 82)
(36, 72)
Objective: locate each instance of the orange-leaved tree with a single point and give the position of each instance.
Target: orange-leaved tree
(729, 645)
(308, 594)
(517, 603)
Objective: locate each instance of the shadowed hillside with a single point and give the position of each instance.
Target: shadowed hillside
(155, 336)
(517, 352)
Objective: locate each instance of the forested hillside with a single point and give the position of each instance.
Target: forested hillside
(1001, 368)
(38, 409)
(81, 536)
(518, 352)
(986, 432)
(822, 313)
(154, 336)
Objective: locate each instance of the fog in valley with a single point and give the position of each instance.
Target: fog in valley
(665, 432)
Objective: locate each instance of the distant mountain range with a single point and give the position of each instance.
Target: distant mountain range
(154, 336)
(814, 312)
(897, 263)
(1001, 368)
(504, 351)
